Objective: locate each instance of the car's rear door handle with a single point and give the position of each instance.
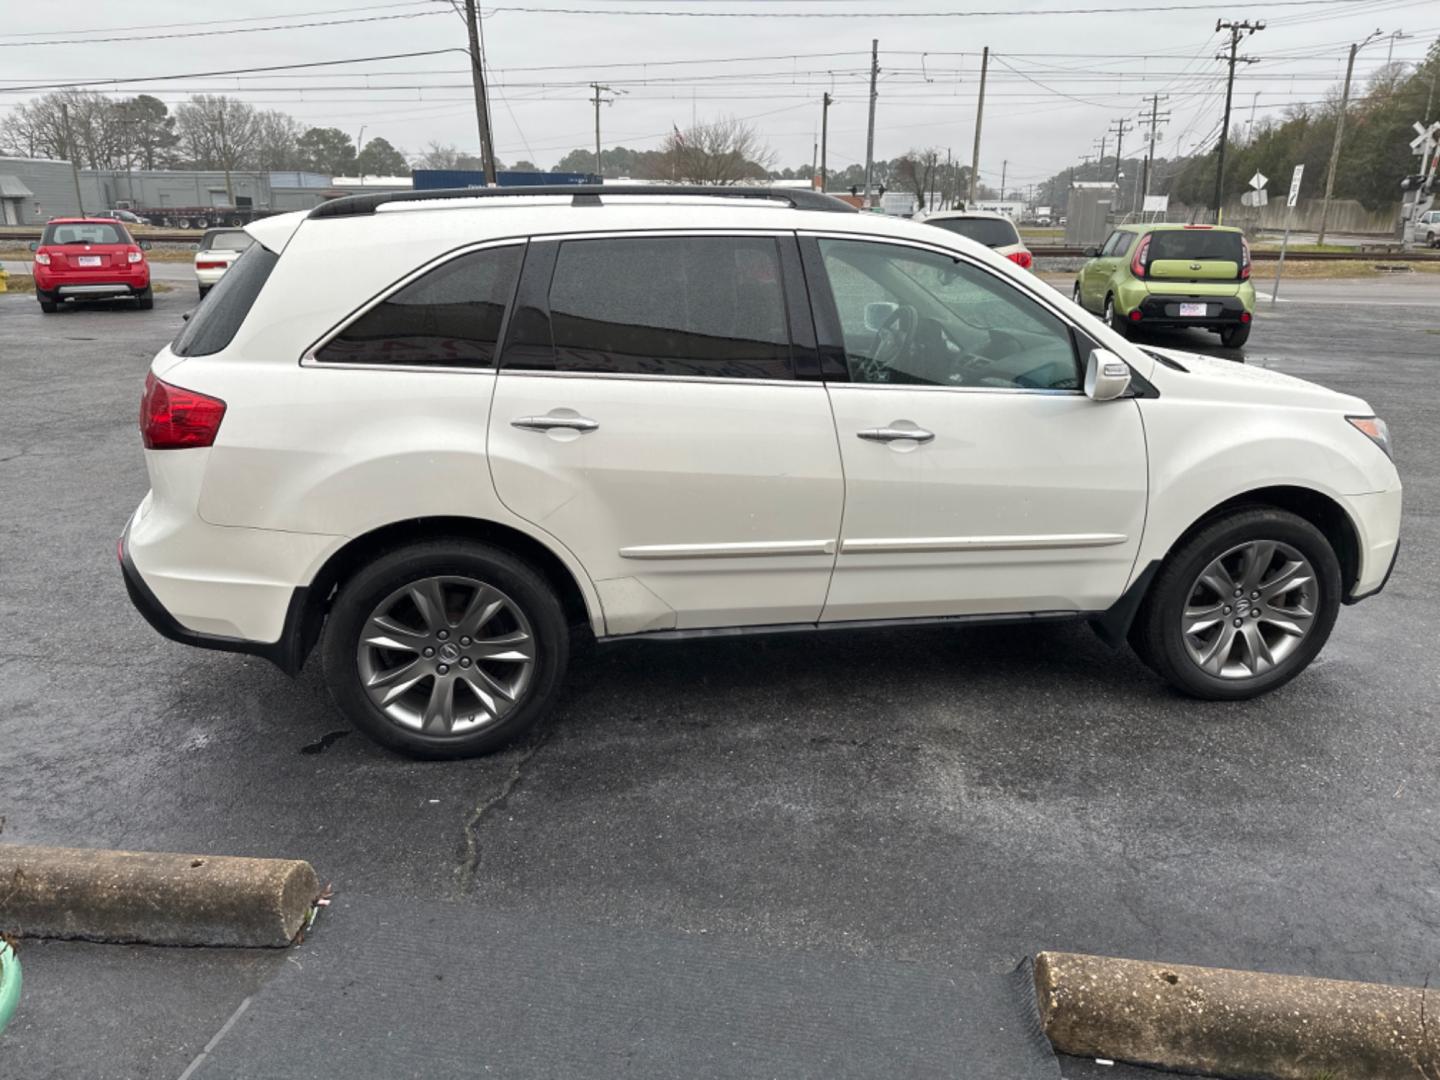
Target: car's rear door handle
(891, 434)
(551, 423)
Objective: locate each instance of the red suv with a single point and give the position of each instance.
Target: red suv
(90, 259)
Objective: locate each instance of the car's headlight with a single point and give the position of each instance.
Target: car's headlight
(1376, 430)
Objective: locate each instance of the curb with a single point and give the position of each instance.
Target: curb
(1235, 1023)
(154, 898)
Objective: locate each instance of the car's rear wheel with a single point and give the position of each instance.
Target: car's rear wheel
(1075, 295)
(1242, 607)
(1430, 239)
(446, 649)
(48, 304)
(1114, 319)
(1232, 337)
(145, 299)
(203, 290)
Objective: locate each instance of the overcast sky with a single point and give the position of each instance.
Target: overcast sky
(1057, 80)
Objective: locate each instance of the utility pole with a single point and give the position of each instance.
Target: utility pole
(870, 131)
(71, 148)
(1339, 132)
(1155, 119)
(482, 103)
(597, 101)
(1119, 143)
(1004, 172)
(979, 119)
(1236, 30)
(825, 102)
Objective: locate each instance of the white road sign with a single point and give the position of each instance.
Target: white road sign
(1259, 180)
(1295, 186)
(1425, 136)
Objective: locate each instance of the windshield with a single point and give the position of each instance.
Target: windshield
(1195, 244)
(235, 240)
(84, 232)
(992, 232)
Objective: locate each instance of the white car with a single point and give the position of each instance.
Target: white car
(1427, 228)
(448, 432)
(218, 249)
(995, 231)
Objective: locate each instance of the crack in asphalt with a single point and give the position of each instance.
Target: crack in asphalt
(465, 872)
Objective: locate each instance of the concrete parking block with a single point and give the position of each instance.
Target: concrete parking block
(1234, 1023)
(153, 898)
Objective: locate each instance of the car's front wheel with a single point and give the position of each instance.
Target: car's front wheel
(1076, 295)
(1114, 319)
(449, 648)
(1242, 607)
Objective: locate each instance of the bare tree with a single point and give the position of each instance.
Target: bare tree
(725, 151)
(437, 156)
(91, 135)
(919, 171)
(276, 138)
(218, 132)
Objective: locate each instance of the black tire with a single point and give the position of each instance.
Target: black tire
(1430, 240)
(203, 290)
(519, 581)
(1077, 296)
(1232, 337)
(48, 304)
(1157, 637)
(145, 299)
(1116, 321)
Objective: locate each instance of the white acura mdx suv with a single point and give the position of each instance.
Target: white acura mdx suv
(455, 432)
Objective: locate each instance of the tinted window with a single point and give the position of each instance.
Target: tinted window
(220, 314)
(230, 240)
(1197, 244)
(1110, 242)
(85, 232)
(1122, 243)
(921, 318)
(695, 305)
(449, 317)
(992, 232)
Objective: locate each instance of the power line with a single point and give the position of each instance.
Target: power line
(218, 33)
(219, 22)
(989, 14)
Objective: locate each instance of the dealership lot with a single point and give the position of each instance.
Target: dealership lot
(960, 797)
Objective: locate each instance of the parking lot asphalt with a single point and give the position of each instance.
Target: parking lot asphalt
(904, 795)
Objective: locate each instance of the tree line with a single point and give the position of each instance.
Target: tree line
(210, 131)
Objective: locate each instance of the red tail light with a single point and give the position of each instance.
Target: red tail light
(1137, 262)
(1244, 259)
(1021, 259)
(210, 266)
(173, 418)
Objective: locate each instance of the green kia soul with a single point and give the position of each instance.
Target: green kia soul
(1171, 275)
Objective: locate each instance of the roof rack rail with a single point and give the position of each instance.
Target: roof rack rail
(583, 195)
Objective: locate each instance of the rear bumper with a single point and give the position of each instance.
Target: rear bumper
(1163, 309)
(288, 653)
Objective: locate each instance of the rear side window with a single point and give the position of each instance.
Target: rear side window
(220, 314)
(683, 305)
(1122, 243)
(992, 232)
(236, 240)
(449, 317)
(85, 232)
(1197, 244)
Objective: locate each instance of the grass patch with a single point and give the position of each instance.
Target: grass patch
(1312, 269)
(24, 283)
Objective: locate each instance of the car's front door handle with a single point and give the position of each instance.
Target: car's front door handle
(551, 423)
(891, 434)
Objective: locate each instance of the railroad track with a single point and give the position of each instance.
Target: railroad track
(1266, 255)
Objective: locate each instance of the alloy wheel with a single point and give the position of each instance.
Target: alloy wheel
(1250, 609)
(446, 655)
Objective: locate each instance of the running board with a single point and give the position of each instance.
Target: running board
(1010, 619)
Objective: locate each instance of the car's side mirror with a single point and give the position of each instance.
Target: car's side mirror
(1106, 376)
(144, 245)
(34, 245)
(878, 314)
(1091, 252)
